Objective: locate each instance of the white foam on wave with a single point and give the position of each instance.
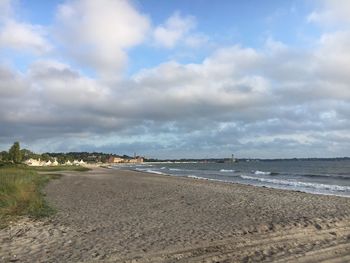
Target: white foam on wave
(227, 171)
(154, 172)
(148, 171)
(274, 183)
(262, 173)
(300, 184)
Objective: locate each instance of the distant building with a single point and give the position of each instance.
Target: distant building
(113, 159)
(137, 159)
(68, 163)
(34, 162)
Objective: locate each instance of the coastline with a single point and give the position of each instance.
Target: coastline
(120, 216)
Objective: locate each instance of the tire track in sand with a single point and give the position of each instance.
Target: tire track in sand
(314, 242)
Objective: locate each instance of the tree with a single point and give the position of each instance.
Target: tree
(4, 156)
(61, 159)
(26, 154)
(45, 157)
(15, 153)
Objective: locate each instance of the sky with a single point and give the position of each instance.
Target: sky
(176, 78)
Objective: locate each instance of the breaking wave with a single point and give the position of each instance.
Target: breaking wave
(300, 184)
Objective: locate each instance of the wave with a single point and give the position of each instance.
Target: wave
(227, 171)
(148, 171)
(333, 176)
(154, 172)
(300, 184)
(261, 173)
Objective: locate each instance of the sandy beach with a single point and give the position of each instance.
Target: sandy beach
(123, 216)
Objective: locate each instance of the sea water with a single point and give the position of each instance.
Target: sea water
(330, 177)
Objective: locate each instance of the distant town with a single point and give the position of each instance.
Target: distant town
(17, 155)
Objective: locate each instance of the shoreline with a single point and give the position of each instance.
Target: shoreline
(107, 215)
(193, 177)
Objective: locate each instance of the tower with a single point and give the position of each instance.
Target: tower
(233, 158)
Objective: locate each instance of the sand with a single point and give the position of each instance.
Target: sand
(122, 216)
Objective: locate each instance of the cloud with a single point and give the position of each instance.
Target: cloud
(331, 12)
(271, 101)
(21, 36)
(98, 33)
(237, 98)
(176, 29)
(24, 37)
(11, 84)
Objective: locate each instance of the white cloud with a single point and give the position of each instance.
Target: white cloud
(258, 99)
(24, 37)
(333, 58)
(177, 29)
(263, 99)
(11, 84)
(97, 33)
(20, 36)
(331, 12)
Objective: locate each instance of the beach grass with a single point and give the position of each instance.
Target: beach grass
(61, 168)
(21, 193)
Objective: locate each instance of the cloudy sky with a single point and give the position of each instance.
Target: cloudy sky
(176, 78)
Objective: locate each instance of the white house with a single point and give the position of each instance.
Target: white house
(82, 162)
(68, 163)
(54, 163)
(33, 162)
(48, 163)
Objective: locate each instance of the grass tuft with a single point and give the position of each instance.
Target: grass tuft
(21, 193)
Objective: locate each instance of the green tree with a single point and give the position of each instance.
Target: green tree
(4, 156)
(61, 159)
(15, 153)
(45, 157)
(27, 154)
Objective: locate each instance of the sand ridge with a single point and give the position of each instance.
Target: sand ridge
(123, 216)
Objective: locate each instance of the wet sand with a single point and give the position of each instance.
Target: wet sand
(122, 216)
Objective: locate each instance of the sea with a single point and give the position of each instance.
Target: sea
(328, 177)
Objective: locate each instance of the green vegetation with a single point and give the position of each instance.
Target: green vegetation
(21, 190)
(21, 193)
(15, 153)
(60, 168)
